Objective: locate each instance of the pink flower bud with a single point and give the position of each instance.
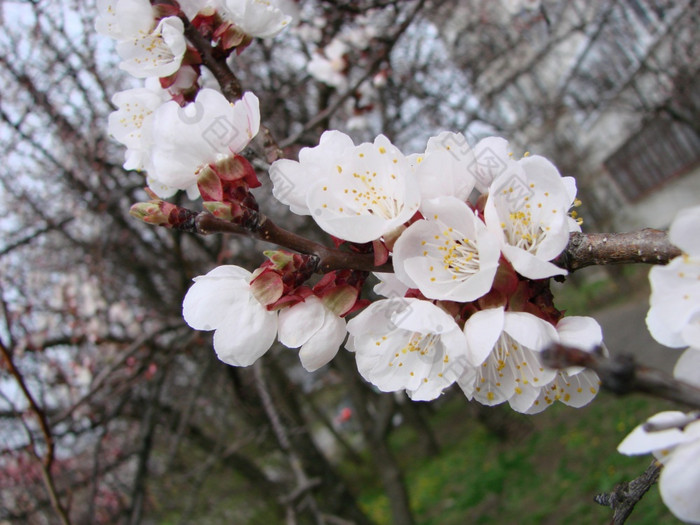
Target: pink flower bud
(266, 286)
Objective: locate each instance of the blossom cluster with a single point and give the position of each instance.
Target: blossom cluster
(467, 237)
(674, 321)
(471, 231)
(171, 127)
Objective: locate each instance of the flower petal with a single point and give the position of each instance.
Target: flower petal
(300, 322)
(247, 333)
(685, 231)
(482, 330)
(639, 441)
(324, 344)
(208, 300)
(680, 482)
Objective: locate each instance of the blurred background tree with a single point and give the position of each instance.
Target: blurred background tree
(113, 411)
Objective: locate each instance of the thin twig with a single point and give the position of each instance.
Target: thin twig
(626, 495)
(47, 461)
(381, 56)
(264, 229)
(215, 62)
(304, 483)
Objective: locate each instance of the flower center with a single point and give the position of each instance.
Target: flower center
(522, 232)
(508, 367)
(370, 197)
(460, 255)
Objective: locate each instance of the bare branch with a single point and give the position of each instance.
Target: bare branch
(626, 495)
(644, 246)
(329, 259)
(31, 236)
(215, 61)
(304, 483)
(48, 459)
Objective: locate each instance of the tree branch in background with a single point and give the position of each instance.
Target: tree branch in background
(621, 375)
(626, 495)
(382, 55)
(304, 484)
(48, 459)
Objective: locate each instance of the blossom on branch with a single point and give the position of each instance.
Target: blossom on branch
(408, 344)
(450, 255)
(156, 54)
(674, 313)
(148, 47)
(674, 439)
(527, 208)
(503, 346)
(356, 193)
(222, 300)
(208, 130)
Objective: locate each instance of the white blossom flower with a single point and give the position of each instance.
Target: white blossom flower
(573, 386)
(192, 7)
(155, 54)
(677, 446)
(389, 285)
(674, 316)
(328, 66)
(513, 7)
(450, 255)
(504, 346)
(313, 327)
(205, 131)
(222, 301)
(407, 344)
(257, 18)
(292, 180)
(124, 19)
(527, 208)
(132, 122)
(450, 167)
(356, 193)
(687, 368)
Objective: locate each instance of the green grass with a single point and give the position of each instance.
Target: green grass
(547, 474)
(586, 292)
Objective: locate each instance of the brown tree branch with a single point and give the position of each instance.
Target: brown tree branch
(644, 246)
(48, 459)
(584, 249)
(304, 484)
(215, 61)
(329, 259)
(626, 495)
(622, 375)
